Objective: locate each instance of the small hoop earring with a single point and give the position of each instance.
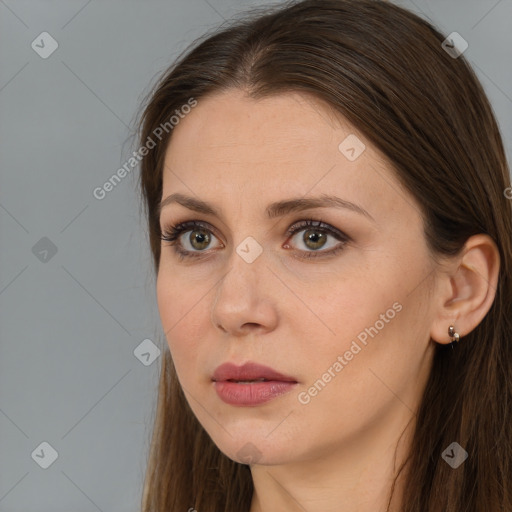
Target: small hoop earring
(454, 335)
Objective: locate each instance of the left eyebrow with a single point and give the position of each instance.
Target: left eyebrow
(276, 209)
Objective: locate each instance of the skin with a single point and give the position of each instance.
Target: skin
(335, 453)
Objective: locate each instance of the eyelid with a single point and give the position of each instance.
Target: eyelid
(319, 224)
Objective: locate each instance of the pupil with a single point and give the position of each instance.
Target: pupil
(200, 238)
(315, 237)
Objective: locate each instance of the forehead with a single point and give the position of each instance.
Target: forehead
(234, 148)
(233, 123)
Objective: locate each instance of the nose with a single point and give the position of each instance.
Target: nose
(244, 300)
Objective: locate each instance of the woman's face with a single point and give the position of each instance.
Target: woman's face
(342, 309)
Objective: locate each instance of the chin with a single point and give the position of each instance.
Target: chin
(254, 449)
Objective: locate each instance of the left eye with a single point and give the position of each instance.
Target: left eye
(315, 236)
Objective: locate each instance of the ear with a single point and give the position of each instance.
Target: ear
(467, 288)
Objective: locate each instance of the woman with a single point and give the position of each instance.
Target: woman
(325, 188)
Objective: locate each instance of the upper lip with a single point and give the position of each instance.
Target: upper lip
(248, 371)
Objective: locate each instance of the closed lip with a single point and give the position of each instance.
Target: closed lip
(248, 371)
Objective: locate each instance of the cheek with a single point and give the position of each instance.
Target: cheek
(360, 315)
(177, 299)
(353, 304)
(182, 315)
(167, 301)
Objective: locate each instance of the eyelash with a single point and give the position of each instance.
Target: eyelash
(172, 234)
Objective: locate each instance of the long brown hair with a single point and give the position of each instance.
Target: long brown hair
(384, 69)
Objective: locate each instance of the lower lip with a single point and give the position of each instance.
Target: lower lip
(254, 393)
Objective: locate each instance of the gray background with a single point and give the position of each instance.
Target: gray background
(71, 321)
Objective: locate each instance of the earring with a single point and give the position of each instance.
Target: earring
(454, 335)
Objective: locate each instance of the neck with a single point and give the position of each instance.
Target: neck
(356, 476)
